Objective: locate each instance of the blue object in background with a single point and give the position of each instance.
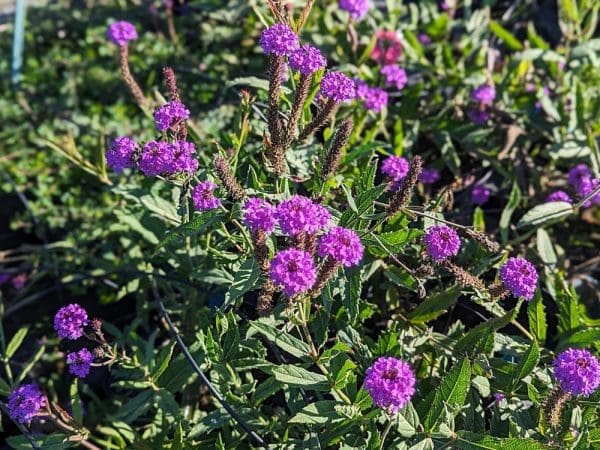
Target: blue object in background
(18, 42)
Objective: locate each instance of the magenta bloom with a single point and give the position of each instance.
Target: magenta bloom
(585, 188)
(375, 99)
(480, 194)
(259, 215)
(388, 47)
(278, 39)
(424, 38)
(579, 174)
(484, 94)
(391, 383)
(520, 277)
(70, 320)
(157, 158)
(170, 114)
(121, 32)
(25, 402)
(577, 371)
(119, 155)
(356, 8)
(80, 362)
(184, 159)
(341, 244)
(203, 196)
(559, 196)
(395, 167)
(307, 59)
(499, 396)
(394, 76)
(18, 281)
(478, 117)
(441, 242)
(294, 270)
(338, 87)
(299, 214)
(429, 176)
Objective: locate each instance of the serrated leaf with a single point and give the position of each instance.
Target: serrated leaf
(245, 280)
(299, 377)
(473, 441)
(434, 305)
(321, 412)
(195, 226)
(281, 339)
(471, 341)
(545, 213)
(537, 318)
(408, 421)
(527, 363)
(162, 361)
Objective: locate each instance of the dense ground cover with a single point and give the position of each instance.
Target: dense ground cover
(359, 242)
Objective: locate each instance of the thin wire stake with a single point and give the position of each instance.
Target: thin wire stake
(255, 437)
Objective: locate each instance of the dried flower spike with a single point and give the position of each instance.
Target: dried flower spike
(334, 155)
(234, 189)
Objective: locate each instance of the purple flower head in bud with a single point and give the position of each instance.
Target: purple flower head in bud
(120, 153)
(395, 167)
(480, 194)
(157, 158)
(259, 215)
(170, 114)
(80, 362)
(25, 402)
(391, 384)
(520, 277)
(70, 320)
(203, 196)
(559, 196)
(394, 76)
(294, 270)
(484, 94)
(278, 39)
(429, 175)
(307, 59)
(299, 214)
(121, 32)
(441, 242)
(424, 38)
(338, 87)
(375, 99)
(356, 8)
(577, 371)
(341, 244)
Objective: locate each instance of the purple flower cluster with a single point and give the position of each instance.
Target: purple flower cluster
(25, 402)
(294, 270)
(480, 194)
(395, 167)
(259, 215)
(394, 76)
(484, 94)
(341, 244)
(441, 242)
(479, 117)
(169, 115)
(429, 175)
(375, 99)
(279, 40)
(338, 87)
(70, 320)
(300, 214)
(391, 383)
(121, 32)
(520, 277)
(203, 196)
(577, 372)
(356, 8)
(120, 153)
(559, 196)
(165, 158)
(307, 59)
(80, 362)
(583, 181)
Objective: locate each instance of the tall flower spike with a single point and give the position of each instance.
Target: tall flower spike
(234, 189)
(483, 239)
(462, 276)
(401, 198)
(171, 82)
(334, 155)
(120, 33)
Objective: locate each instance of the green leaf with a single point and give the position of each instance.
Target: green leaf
(76, 402)
(537, 318)
(451, 393)
(16, 342)
(513, 202)
(408, 421)
(352, 298)
(298, 377)
(245, 280)
(473, 441)
(434, 305)
(476, 338)
(526, 364)
(162, 361)
(281, 339)
(321, 412)
(544, 213)
(195, 226)
(506, 36)
(30, 363)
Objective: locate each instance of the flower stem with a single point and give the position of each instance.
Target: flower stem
(385, 433)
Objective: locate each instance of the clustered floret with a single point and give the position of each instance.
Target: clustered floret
(441, 242)
(342, 245)
(70, 320)
(388, 47)
(484, 94)
(395, 167)
(120, 153)
(293, 270)
(429, 175)
(582, 179)
(559, 196)
(577, 372)
(170, 114)
(259, 215)
(279, 40)
(375, 99)
(394, 76)
(25, 402)
(520, 277)
(356, 8)
(391, 383)
(121, 32)
(300, 214)
(80, 362)
(338, 87)
(480, 194)
(307, 59)
(203, 196)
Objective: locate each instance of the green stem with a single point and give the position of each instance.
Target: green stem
(385, 433)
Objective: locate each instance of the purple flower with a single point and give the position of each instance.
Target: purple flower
(424, 38)
(356, 8)
(307, 59)
(80, 362)
(395, 167)
(498, 397)
(394, 76)
(361, 88)
(578, 175)
(484, 94)
(120, 153)
(157, 158)
(341, 244)
(559, 196)
(18, 281)
(480, 194)
(441, 242)
(121, 32)
(70, 320)
(520, 277)
(478, 117)
(4, 278)
(203, 196)
(299, 214)
(585, 188)
(278, 39)
(375, 99)
(429, 175)
(391, 383)
(338, 87)
(25, 402)
(577, 372)
(184, 157)
(259, 215)
(170, 114)
(294, 270)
